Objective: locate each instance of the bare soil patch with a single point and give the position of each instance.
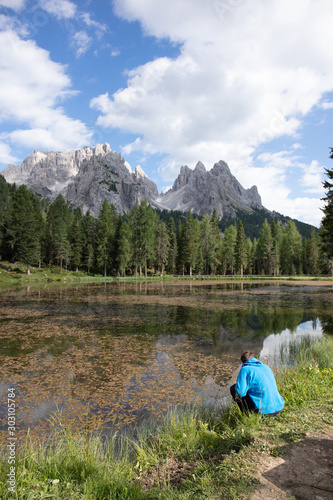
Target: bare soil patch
(303, 471)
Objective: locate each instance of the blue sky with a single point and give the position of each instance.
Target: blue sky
(249, 82)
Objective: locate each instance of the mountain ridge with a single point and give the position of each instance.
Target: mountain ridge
(86, 176)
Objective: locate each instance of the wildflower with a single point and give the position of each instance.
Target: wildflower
(55, 481)
(144, 487)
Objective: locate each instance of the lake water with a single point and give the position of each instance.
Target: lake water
(115, 354)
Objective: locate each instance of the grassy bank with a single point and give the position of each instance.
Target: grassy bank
(16, 274)
(190, 454)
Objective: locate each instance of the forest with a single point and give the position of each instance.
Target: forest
(141, 243)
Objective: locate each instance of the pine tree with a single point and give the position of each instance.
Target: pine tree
(5, 208)
(190, 242)
(265, 249)
(327, 221)
(76, 239)
(291, 250)
(124, 247)
(311, 254)
(240, 249)
(228, 249)
(26, 223)
(58, 226)
(173, 247)
(89, 233)
(104, 236)
(162, 245)
(208, 245)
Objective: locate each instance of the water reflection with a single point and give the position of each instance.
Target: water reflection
(118, 353)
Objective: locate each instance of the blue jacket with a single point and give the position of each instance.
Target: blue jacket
(257, 380)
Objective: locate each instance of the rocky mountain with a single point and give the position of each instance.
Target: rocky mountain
(86, 176)
(201, 191)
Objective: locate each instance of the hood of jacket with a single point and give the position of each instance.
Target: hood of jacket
(252, 362)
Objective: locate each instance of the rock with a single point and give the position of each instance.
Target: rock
(85, 177)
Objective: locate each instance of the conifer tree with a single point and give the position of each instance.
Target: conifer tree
(190, 242)
(240, 249)
(104, 236)
(76, 239)
(311, 254)
(57, 238)
(26, 223)
(89, 231)
(228, 249)
(173, 247)
(291, 250)
(162, 246)
(327, 221)
(265, 249)
(124, 247)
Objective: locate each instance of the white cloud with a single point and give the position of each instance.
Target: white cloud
(92, 23)
(61, 9)
(6, 155)
(327, 105)
(247, 73)
(13, 4)
(31, 89)
(81, 42)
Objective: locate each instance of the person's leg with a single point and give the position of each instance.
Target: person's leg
(245, 403)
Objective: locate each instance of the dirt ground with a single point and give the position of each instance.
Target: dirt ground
(304, 471)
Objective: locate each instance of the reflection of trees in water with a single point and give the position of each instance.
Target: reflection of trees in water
(261, 322)
(326, 323)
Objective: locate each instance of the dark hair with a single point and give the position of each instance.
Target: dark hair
(246, 355)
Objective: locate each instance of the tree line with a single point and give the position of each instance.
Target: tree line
(140, 242)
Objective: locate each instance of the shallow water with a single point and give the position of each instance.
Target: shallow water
(115, 354)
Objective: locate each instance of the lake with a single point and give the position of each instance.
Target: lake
(112, 355)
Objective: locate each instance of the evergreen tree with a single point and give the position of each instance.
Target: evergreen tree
(89, 232)
(311, 254)
(228, 249)
(240, 249)
(57, 237)
(180, 246)
(208, 245)
(291, 250)
(124, 247)
(162, 246)
(104, 236)
(277, 234)
(26, 222)
(173, 247)
(134, 224)
(190, 242)
(5, 211)
(327, 221)
(265, 249)
(76, 239)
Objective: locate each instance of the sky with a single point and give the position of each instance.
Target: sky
(172, 83)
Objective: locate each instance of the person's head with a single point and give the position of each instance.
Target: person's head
(246, 356)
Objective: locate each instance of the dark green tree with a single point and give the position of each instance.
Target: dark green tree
(190, 242)
(77, 239)
(265, 250)
(291, 250)
(58, 224)
(240, 249)
(105, 231)
(173, 247)
(124, 255)
(311, 254)
(26, 220)
(327, 221)
(228, 250)
(89, 233)
(162, 246)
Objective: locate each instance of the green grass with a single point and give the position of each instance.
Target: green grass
(191, 453)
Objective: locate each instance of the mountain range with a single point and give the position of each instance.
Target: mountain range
(85, 177)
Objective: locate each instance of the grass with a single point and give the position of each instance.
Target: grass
(16, 273)
(191, 453)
